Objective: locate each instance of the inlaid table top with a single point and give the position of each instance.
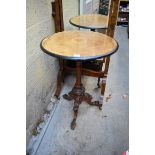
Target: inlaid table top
(90, 21)
(79, 45)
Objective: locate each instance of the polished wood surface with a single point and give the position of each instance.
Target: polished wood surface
(90, 21)
(79, 45)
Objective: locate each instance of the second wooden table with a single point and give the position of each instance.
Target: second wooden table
(90, 21)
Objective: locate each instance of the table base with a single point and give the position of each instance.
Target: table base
(78, 95)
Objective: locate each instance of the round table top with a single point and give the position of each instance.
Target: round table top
(79, 45)
(90, 21)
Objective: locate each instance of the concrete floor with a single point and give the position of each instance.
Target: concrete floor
(97, 132)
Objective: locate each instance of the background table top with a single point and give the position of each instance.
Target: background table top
(79, 45)
(90, 21)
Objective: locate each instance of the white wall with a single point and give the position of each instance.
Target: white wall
(70, 9)
(89, 6)
(41, 69)
(73, 8)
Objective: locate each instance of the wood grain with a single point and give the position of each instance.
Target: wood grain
(90, 21)
(77, 44)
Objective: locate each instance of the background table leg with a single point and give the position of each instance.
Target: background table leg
(60, 79)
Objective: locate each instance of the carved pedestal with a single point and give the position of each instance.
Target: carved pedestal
(78, 95)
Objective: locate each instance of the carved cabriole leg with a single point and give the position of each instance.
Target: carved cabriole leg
(60, 79)
(75, 109)
(88, 98)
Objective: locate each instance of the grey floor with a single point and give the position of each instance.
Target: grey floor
(97, 132)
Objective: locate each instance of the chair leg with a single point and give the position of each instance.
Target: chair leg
(98, 83)
(60, 79)
(59, 84)
(103, 85)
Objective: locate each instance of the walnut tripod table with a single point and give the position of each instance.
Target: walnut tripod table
(79, 95)
(79, 46)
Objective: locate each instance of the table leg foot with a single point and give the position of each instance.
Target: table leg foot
(96, 103)
(67, 97)
(73, 124)
(87, 98)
